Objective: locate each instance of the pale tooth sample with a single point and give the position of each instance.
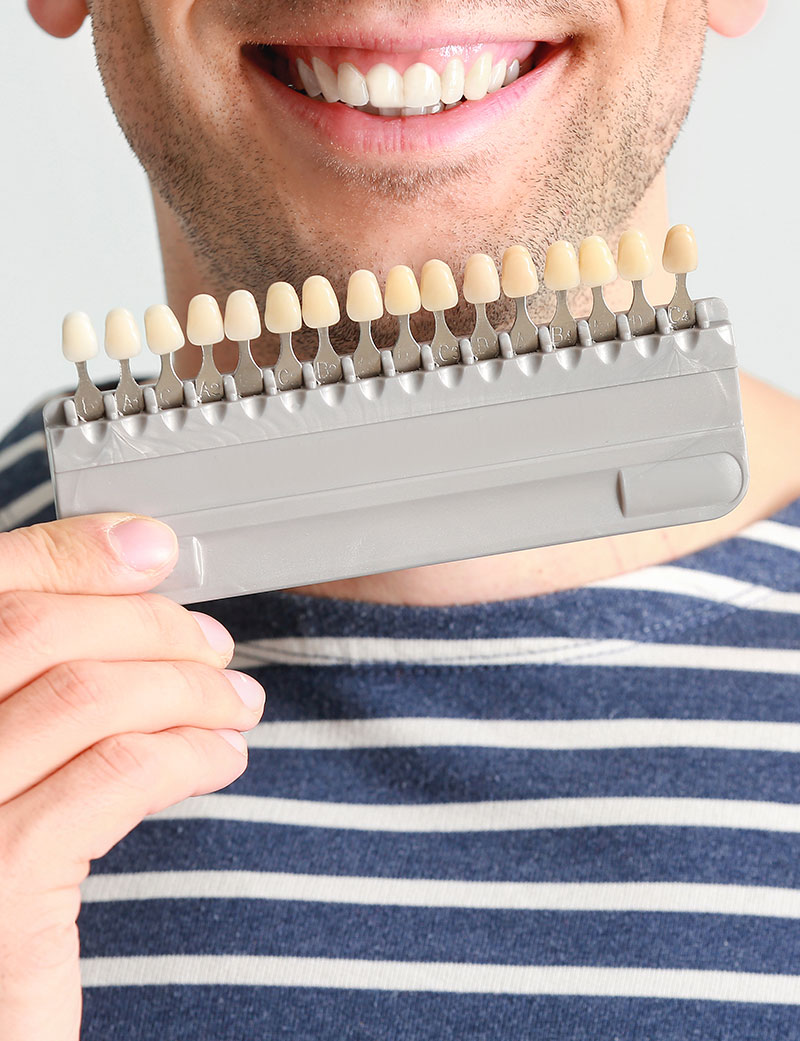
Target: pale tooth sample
(123, 342)
(597, 269)
(635, 263)
(320, 311)
(482, 287)
(452, 80)
(327, 79)
(204, 328)
(282, 315)
(79, 344)
(497, 77)
(421, 86)
(243, 324)
(561, 273)
(308, 78)
(352, 85)
(385, 85)
(365, 305)
(402, 300)
(164, 337)
(519, 280)
(476, 82)
(680, 257)
(438, 294)
(512, 73)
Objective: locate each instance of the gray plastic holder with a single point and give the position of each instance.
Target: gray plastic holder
(443, 463)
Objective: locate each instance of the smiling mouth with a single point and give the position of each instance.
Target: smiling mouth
(396, 85)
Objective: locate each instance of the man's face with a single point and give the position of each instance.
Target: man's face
(270, 184)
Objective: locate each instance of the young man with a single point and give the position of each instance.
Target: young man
(542, 794)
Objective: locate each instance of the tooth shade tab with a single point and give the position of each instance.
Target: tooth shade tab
(122, 340)
(596, 262)
(481, 281)
(242, 320)
(402, 294)
(78, 338)
(352, 85)
(452, 80)
(680, 250)
(162, 330)
(385, 85)
(204, 325)
(364, 302)
(422, 86)
(518, 275)
(437, 286)
(561, 270)
(634, 258)
(320, 306)
(282, 311)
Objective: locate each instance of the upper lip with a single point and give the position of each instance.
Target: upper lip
(400, 43)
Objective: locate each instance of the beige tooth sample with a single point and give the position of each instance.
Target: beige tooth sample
(482, 287)
(402, 298)
(327, 79)
(165, 336)
(282, 315)
(512, 73)
(421, 86)
(320, 312)
(79, 344)
(519, 280)
(308, 79)
(352, 85)
(476, 82)
(123, 342)
(635, 263)
(598, 269)
(452, 80)
(680, 257)
(385, 86)
(497, 77)
(204, 328)
(562, 273)
(243, 324)
(438, 293)
(365, 305)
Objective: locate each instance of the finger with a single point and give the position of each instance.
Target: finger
(75, 705)
(41, 630)
(52, 831)
(103, 553)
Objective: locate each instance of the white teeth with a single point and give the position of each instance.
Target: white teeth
(78, 338)
(385, 86)
(402, 292)
(352, 85)
(519, 276)
(364, 301)
(512, 73)
(561, 271)
(497, 77)
(481, 281)
(123, 339)
(596, 262)
(242, 320)
(634, 259)
(327, 79)
(476, 82)
(421, 86)
(437, 286)
(162, 329)
(282, 310)
(308, 79)
(204, 325)
(453, 81)
(320, 306)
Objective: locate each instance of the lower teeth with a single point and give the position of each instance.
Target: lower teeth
(389, 113)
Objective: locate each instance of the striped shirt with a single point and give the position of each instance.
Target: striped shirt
(573, 816)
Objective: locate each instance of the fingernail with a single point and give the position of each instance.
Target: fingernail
(218, 637)
(249, 690)
(233, 737)
(144, 545)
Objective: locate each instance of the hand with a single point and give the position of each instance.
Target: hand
(114, 703)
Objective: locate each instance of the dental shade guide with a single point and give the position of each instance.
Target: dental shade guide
(315, 476)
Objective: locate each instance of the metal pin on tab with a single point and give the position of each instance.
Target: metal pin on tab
(243, 324)
(680, 257)
(204, 328)
(79, 344)
(597, 269)
(402, 300)
(282, 316)
(365, 306)
(635, 263)
(123, 342)
(561, 273)
(320, 312)
(164, 337)
(438, 294)
(519, 280)
(482, 287)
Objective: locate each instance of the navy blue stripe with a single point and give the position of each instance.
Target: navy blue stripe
(750, 561)
(611, 854)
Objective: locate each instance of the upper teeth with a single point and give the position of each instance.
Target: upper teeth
(420, 88)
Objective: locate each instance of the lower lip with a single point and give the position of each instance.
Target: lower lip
(335, 125)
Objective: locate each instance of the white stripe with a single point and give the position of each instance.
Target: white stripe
(705, 586)
(362, 650)
(499, 815)
(700, 898)
(31, 443)
(450, 977)
(430, 732)
(19, 510)
(787, 536)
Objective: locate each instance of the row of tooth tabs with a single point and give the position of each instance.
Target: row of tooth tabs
(592, 265)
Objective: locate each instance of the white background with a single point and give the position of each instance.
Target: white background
(78, 231)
